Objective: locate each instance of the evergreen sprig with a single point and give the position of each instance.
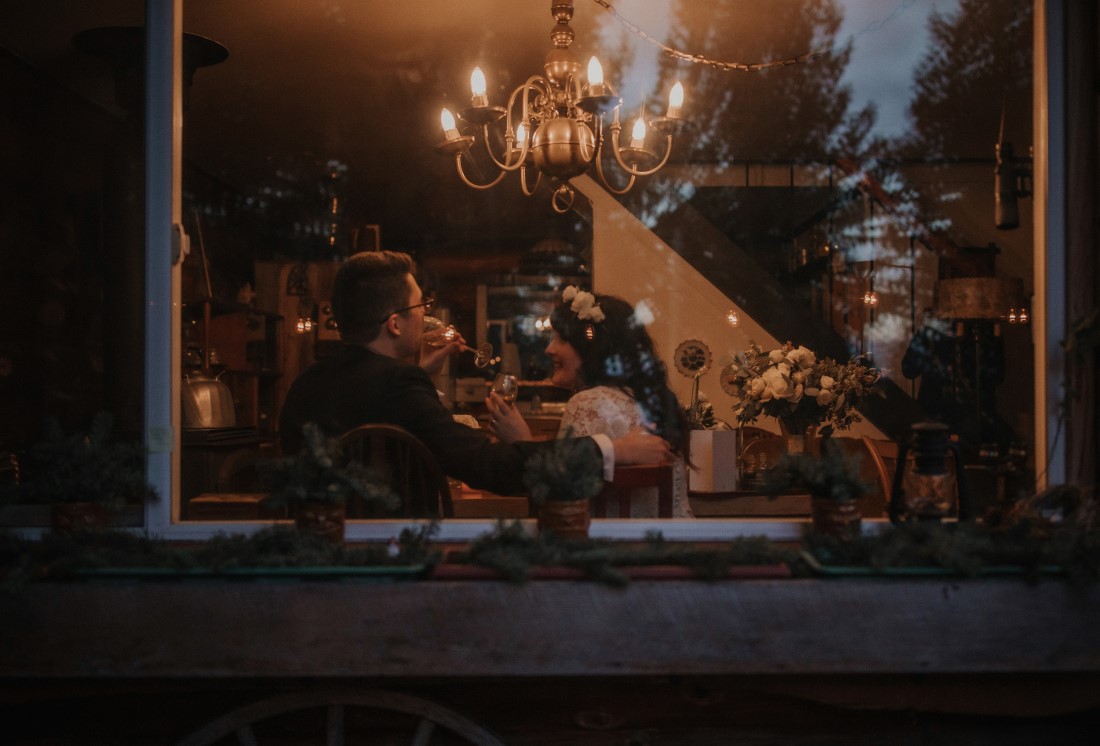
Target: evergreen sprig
(570, 469)
(84, 467)
(322, 471)
(514, 553)
(834, 475)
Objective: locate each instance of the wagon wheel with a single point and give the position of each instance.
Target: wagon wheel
(353, 716)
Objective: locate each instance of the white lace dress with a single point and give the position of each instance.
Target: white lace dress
(614, 413)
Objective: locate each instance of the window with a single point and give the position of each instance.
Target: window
(801, 191)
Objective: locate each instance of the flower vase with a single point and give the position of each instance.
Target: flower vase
(323, 519)
(838, 518)
(800, 439)
(568, 519)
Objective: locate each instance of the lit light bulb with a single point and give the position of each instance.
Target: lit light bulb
(1012, 315)
(1023, 316)
(731, 317)
(675, 100)
(595, 77)
(637, 135)
(477, 88)
(450, 129)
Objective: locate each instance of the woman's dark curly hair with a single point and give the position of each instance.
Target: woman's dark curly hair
(621, 354)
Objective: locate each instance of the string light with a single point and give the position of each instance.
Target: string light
(731, 318)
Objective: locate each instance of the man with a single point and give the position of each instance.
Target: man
(379, 310)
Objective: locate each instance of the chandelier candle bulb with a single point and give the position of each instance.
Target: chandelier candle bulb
(478, 88)
(675, 101)
(450, 129)
(595, 78)
(637, 135)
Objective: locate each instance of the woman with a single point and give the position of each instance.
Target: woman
(602, 352)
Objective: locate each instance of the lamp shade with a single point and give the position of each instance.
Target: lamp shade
(978, 297)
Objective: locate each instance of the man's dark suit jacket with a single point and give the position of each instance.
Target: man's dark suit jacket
(357, 386)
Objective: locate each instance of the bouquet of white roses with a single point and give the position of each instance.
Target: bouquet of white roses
(794, 386)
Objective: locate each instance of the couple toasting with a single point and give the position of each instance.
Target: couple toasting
(599, 350)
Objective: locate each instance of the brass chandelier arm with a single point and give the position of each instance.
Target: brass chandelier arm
(607, 184)
(536, 84)
(636, 172)
(529, 192)
(467, 182)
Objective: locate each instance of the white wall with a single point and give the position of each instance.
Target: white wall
(628, 260)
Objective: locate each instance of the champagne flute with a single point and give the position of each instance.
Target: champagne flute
(438, 334)
(506, 387)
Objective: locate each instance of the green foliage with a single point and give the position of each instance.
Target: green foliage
(570, 469)
(85, 468)
(967, 548)
(322, 472)
(834, 475)
(512, 552)
(61, 556)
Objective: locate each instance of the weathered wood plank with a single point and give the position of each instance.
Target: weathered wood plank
(485, 628)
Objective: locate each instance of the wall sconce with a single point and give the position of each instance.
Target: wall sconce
(870, 298)
(307, 316)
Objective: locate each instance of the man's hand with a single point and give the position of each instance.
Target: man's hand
(432, 358)
(640, 447)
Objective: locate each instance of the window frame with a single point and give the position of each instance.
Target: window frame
(166, 242)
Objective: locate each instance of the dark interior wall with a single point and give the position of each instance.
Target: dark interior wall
(55, 267)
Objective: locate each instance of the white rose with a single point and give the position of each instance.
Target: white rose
(803, 357)
(568, 293)
(775, 356)
(778, 385)
(825, 397)
(756, 387)
(796, 394)
(827, 382)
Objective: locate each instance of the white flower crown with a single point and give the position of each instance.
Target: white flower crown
(583, 304)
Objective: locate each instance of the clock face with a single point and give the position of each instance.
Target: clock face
(727, 379)
(692, 358)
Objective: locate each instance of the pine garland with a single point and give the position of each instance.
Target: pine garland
(512, 552)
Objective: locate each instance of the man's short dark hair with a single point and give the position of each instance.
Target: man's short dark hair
(369, 286)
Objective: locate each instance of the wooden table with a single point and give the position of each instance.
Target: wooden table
(748, 504)
(480, 504)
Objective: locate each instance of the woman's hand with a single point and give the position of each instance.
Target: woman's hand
(505, 421)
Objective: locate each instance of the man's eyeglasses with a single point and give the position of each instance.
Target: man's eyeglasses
(427, 303)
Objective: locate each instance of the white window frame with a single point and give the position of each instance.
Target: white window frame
(163, 309)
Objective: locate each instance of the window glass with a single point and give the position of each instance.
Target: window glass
(842, 198)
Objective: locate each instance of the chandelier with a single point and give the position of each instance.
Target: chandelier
(557, 124)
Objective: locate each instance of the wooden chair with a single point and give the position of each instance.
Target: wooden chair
(408, 467)
(876, 500)
(629, 478)
(751, 434)
(763, 452)
(884, 454)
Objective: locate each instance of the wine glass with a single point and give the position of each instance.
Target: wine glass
(439, 334)
(506, 387)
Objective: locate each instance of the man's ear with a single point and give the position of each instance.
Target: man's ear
(391, 326)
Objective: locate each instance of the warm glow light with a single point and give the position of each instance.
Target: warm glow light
(1023, 316)
(731, 317)
(595, 73)
(637, 136)
(447, 119)
(477, 82)
(521, 134)
(675, 100)
(1012, 315)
